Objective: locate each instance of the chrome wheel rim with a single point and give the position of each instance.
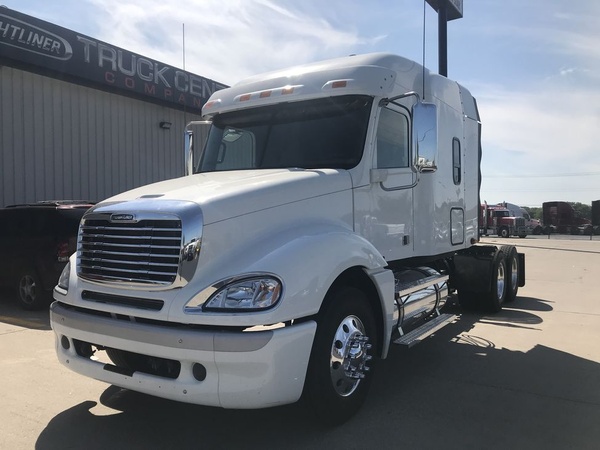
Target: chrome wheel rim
(27, 289)
(514, 273)
(500, 281)
(349, 355)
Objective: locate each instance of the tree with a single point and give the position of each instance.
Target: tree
(534, 213)
(584, 211)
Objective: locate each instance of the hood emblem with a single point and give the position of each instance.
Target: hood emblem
(122, 218)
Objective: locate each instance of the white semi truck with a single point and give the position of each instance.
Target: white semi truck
(330, 214)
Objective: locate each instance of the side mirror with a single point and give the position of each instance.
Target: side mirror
(195, 136)
(424, 131)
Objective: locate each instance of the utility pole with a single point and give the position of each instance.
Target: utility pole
(447, 10)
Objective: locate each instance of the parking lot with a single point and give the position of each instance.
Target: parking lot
(526, 378)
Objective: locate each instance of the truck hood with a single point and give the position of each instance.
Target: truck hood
(223, 195)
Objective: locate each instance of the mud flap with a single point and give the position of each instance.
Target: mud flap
(473, 269)
(521, 275)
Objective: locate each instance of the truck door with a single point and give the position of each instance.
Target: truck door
(390, 219)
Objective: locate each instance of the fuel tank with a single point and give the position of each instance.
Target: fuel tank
(419, 292)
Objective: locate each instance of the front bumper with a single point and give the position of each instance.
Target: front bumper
(255, 369)
(522, 230)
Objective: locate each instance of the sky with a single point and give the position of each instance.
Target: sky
(534, 66)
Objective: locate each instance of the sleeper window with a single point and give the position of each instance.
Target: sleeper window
(456, 166)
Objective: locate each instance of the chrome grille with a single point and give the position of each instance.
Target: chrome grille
(144, 251)
(519, 221)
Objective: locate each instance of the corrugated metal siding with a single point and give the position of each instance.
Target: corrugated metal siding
(64, 141)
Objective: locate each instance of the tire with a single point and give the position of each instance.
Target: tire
(140, 363)
(511, 259)
(121, 358)
(504, 232)
(30, 292)
(495, 297)
(522, 236)
(345, 327)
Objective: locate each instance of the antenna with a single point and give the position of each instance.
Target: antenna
(183, 58)
(183, 42)
(424, 22)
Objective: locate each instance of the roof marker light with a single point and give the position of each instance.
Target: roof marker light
(245, 97)
(264, 94)
(339, 84)
(287, 90)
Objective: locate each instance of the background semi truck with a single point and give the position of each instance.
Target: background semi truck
(560, 217)
(499, 220)
(596, 216)
(332, 212)
(534, 226)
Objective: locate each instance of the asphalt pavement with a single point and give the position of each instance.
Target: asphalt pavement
(525, 378)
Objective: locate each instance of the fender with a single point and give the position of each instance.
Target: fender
(308, 258)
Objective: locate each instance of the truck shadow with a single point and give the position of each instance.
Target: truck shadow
(455, 390)
(530, 304)
(513, 315)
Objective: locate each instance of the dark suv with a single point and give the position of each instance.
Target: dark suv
(36, 241)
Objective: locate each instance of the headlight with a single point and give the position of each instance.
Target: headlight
(250, 294)
(63, 281)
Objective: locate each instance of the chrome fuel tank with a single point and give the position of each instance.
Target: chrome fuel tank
(419, 292)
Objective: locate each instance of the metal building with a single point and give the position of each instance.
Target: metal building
(81, 119)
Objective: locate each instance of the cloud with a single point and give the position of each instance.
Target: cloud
(541, 143)
(545, 126)
(567, 71)
(540, 102)
(550, 112)
(226, 40)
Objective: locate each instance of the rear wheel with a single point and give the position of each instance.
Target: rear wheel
(511, 259)
(30, 292)
(496, 296)
(338, 376)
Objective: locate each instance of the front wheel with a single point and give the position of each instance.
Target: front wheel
(504, 232)
(339, 375)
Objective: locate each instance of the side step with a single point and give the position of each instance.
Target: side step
(428, 328)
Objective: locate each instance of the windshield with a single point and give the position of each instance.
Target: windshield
(321, 133)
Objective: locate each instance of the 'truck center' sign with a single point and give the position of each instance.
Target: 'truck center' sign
(63, 53)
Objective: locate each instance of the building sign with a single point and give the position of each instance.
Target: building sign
(454, 8)
(59, 51)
